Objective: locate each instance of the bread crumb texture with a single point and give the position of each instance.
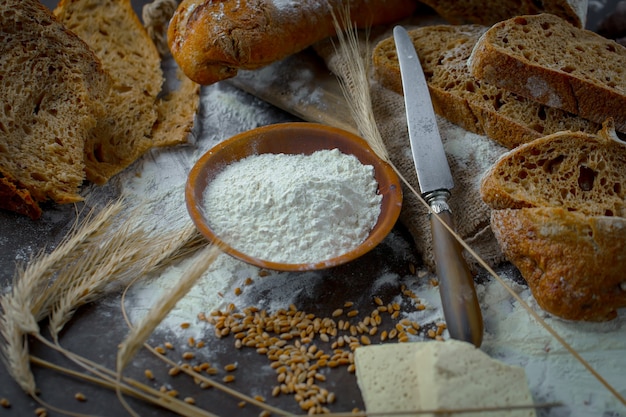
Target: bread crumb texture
(575, 171)
(115, 33)
(52, 86)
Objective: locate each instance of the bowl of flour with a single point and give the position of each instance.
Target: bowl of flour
(294, 196)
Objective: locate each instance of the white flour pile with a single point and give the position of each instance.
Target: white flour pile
(294, 208)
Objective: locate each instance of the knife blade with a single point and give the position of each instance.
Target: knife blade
(456, 284)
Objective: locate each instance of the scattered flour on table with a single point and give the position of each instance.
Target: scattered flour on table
(294, 208)
(511, 334)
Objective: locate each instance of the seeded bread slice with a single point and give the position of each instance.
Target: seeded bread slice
(546, 59)
(51, 88)
(476, 106)
(560, 217)
(113, 30)
(488, 12)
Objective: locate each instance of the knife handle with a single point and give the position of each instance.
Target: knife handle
(456, 283)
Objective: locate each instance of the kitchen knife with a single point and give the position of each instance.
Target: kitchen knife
(456, 284)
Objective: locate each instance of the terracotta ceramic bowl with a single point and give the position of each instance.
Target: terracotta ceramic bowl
(294, 138)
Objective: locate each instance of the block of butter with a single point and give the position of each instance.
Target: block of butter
(401, 377)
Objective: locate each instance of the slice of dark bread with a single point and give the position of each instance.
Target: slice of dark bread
(115, 33)
(560, 217)
(576, 171)
(52, 87)
(546, 59)
(477, 106)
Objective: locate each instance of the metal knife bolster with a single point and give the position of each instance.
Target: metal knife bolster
(438, 200)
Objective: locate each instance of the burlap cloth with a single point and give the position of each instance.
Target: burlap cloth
(469, 155)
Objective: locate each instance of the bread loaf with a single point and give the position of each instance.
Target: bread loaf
(212, 40)
(476, 106)
(546, 59)
(492, 11)
(52, 87)
(560, 217)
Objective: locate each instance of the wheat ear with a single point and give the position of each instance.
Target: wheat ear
(139, 334)
(30, 297)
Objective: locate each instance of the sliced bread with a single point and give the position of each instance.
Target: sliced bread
(546, 59)
(52, 87)
(113, 30)
(560, 217)
(476, 106)
(575, 171)
(492, 11)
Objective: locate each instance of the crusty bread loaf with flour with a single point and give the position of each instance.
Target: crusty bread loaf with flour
(476, 106)
(560, 217)
(52, 87)
(546, 59)
(212, 40)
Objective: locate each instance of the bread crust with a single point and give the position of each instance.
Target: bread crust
(546, 59)
(211, 40)
(17, 199)
(574, 264)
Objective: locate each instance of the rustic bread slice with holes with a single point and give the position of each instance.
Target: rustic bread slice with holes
(546, 59)
(476, 106)
(113, 30)
(560, 217)
(52, 86)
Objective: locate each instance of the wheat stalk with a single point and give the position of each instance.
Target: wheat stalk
(139, 334)
(107, 378)
(127, 255)
(356, 92)
(30, 296)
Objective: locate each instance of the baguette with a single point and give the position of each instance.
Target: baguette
(546, 59)
(52, 86)
(560, 217)
(212, 40)
(456, 95)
